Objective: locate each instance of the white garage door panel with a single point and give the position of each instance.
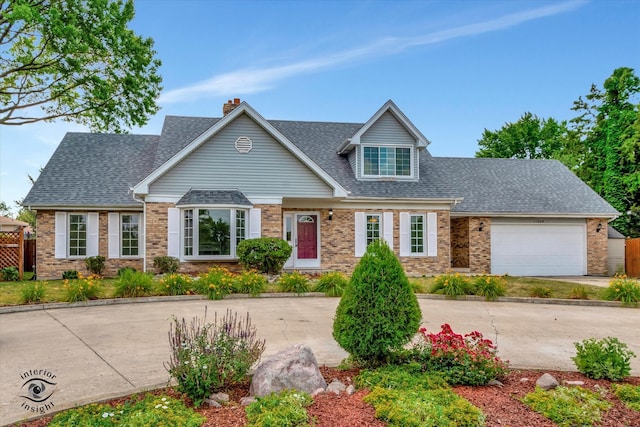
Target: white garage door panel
(538, 249)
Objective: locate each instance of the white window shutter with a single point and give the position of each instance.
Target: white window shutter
(114, 234)
(405, 234)
(432, 234)
(173, 230)
(92, 234)
(61, 235)
(255, 223)
(387, 228)
(141, 234)
(361, 240)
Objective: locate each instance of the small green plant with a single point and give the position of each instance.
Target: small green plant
(579, 292)
(294, 282)
(124, 269)
(207, 357)
(623, 289)
(284, 409)
(70, 275)
(608, 358)
(32, 292)
(468, 359)
(490, 287)
(405, 396)
(176, 284)
(264, 254)
(541, 292)
(567, 406)
(250, 282)
(332, 284)
(378, 312)
(82, 289)
(132, 284)
(150, 410)
(166, 264)
(10, 274)
(216, 283)
(451, 285)
(629, 394)
(95, 264)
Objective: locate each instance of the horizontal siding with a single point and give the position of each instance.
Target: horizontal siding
(351, 157)
(388, 131)
(268, 169)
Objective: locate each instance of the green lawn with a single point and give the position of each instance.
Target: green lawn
(10, 292)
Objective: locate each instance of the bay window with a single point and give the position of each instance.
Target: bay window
(213, 233)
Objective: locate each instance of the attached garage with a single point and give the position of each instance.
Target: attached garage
(538, 247)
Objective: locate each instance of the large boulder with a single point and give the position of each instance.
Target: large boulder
(292, 368)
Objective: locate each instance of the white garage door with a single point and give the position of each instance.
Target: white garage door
(537, 247)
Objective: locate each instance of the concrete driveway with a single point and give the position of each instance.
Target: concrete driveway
(97, 352)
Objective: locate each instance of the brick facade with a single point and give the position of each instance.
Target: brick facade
(597, 247)
(480, 245)
(460, 242)
(50, 267)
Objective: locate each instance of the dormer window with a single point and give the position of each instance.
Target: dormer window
(386, 161)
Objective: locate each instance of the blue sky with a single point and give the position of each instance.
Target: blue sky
(453, 67)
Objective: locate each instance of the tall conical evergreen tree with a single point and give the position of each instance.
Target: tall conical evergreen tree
(378, 312)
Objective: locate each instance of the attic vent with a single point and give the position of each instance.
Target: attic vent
(243, 144)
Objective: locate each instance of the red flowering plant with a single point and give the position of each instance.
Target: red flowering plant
(463, 359)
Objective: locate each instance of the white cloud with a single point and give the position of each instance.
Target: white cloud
(253, 80)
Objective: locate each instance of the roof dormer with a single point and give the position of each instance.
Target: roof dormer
(386, 147)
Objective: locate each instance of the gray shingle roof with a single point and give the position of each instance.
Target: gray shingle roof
(94, 170)
(98, 169)
(214, 197)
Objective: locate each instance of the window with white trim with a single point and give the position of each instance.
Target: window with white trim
(77, 235)
(129, 235)
(373, 228)
(213, 233)
(417, 233)
(386, 161)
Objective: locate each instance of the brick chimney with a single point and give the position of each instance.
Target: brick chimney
(229, 106)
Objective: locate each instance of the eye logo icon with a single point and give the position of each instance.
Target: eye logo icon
(38, 389)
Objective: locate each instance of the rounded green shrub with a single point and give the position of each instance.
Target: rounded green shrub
(95, 264)
(378, 312)
(166, 264)
(608, 358)
(265, 254)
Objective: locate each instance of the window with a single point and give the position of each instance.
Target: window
(417, 234)
(387, 161)
(373, 228)
(215, 233)
(77, 235)
(129, 229)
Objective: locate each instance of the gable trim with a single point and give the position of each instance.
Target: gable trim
(390, 106)
(142, 187)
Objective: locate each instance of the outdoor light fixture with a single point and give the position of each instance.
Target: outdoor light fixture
(330, 214)
(481, 226)
(599, 227)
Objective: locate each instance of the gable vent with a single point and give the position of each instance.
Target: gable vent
(243, 144)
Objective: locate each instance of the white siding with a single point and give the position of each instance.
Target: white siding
(268, 169)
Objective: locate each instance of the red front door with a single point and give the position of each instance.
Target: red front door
(307, 231)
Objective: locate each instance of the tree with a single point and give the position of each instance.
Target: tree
(75, 60)
(378, 312)
(26, 215)
(5, 210)
(607, 155)
(529, 138)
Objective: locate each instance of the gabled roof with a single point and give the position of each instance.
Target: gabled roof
(389, 106)
(94, 170)
(243, 108)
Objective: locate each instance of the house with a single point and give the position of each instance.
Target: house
(10, 225)
(205, 184)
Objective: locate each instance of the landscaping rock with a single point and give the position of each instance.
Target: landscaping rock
(336, 387)
(547, 382)
(246, 401)
(219, 397)
(495, 383)
(317, 391)
(210, 403)
(578, 383)
(350, 390)
(294, 368)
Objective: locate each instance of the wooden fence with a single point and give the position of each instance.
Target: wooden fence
(12, 250)
(632, 257)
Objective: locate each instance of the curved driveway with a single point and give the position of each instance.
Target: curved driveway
(97, 352)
